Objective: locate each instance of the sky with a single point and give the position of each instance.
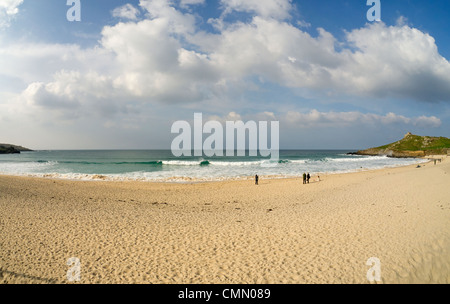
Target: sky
(120, 77)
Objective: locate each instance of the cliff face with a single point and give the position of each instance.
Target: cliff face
(412, 146)
(11, 149)
(391, 153)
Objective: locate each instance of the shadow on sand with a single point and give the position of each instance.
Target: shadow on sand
(4, 272)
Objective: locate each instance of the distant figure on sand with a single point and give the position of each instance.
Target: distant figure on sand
(308, 177)
(318, 178)
(304, 178)
(256, 179)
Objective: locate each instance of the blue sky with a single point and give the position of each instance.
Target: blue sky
(119, 78)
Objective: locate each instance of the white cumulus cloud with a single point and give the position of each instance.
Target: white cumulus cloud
(279, 9)
(126, 11)
(8, 8)
(186, 3)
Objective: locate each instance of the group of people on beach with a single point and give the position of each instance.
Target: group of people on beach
(435, 160)
(306, 178)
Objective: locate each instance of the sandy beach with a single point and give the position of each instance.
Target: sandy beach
(230, 232)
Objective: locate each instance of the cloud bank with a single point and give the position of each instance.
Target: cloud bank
(165, 57)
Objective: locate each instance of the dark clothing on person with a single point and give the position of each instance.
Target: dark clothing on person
(304, 178)
(256, 179)
(308, 177)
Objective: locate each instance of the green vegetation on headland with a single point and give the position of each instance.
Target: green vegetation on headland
(12, 149)
(412, 146)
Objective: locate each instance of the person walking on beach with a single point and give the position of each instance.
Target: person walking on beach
(304, 178)
(308, 177)
(256, 179)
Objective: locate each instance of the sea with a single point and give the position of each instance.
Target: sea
(163, 166)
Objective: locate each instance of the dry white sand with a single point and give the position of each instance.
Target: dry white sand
(230, 232)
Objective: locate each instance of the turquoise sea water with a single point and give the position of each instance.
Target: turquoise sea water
(161, 165)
